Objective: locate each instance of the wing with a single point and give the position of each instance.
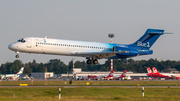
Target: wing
(100, 55)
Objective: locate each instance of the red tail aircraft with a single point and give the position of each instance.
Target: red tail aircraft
(94, 77)
(155, 71)
(150, 73)
(123, 75)
(110, 76)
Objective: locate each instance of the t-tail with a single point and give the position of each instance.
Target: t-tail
(124, 73)
(149, 70)
(21, 71)
(148, 39)
(155, 70)
(111, 73)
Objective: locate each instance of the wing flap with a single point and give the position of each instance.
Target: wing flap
(100, 55)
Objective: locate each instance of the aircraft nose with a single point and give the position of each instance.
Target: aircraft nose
(12, 47)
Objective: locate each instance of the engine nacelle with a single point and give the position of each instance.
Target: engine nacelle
(133, 53)
(129, 51)
(145, 52)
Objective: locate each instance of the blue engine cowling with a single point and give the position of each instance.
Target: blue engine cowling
(145, 52)
(131, 52)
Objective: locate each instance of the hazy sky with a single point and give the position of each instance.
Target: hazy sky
(89, 20)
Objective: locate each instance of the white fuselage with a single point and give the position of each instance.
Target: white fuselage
(12, 75)
(59, 47)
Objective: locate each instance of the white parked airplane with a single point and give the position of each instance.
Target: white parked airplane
(91, 50)
(17, 74)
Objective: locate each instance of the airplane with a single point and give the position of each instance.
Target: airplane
(176, 76)
(87, 78)
(92, 51)
(150, 73)
(123, 75)
(94, 77)
(156, 73)
(17, 74)
(110, 76)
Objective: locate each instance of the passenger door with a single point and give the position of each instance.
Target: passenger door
(29, 43)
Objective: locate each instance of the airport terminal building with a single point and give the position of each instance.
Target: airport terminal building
(42, 75)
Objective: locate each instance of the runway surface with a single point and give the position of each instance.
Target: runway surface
(101, 86)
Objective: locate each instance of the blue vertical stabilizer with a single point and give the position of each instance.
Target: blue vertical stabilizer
(149, 38)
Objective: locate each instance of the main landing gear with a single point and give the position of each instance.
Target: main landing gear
(89, 61)
(17, 56)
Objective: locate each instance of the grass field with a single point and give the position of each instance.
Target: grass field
(89, 94)
(93, 83)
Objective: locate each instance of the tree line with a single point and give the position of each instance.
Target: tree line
(57, 66)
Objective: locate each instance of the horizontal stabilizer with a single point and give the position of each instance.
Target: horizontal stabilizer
(168, 33)
(157, 33)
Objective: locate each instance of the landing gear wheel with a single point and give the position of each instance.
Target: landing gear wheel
(88, 61)
(95, 61)
(17, 56)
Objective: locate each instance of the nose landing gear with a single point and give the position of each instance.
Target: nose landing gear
(17, 56)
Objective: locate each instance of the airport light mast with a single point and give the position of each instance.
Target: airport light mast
(111, 36)
(73, 68)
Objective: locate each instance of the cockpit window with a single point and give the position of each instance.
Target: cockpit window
(21, 40)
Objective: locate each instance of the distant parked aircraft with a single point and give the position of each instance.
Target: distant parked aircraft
(95, 77)
(121, 76)
(110, 76)
(16, 75)
(155, 71)
(150, 73)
